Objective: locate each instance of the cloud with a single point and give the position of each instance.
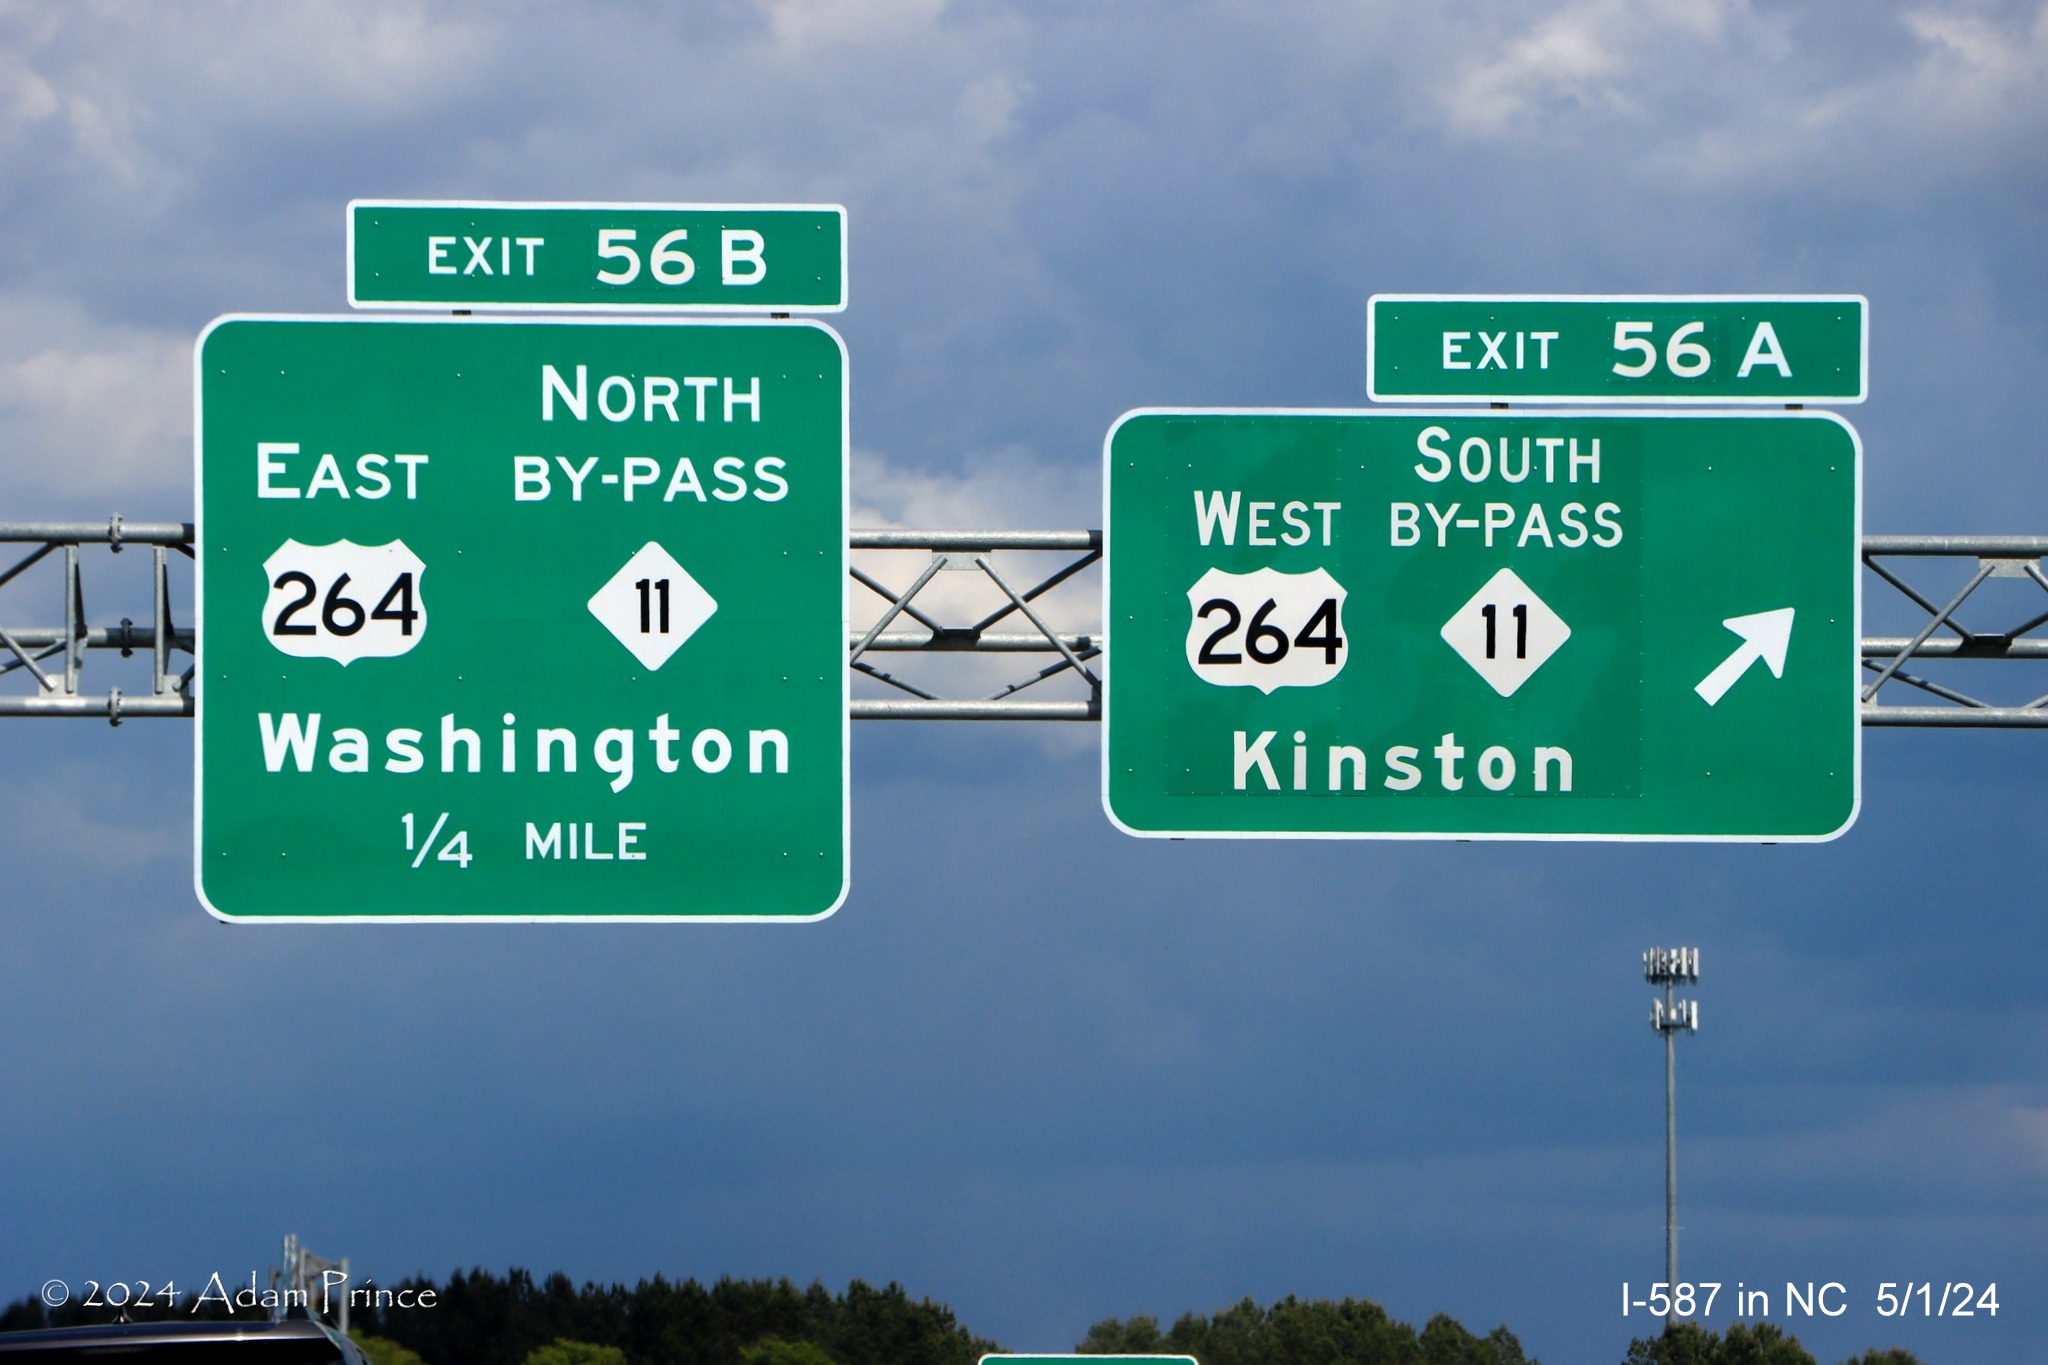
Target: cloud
(1976, 78)
(1008, 489)
(988, 107)
(802, 25)
(125, 90)
(1726, 94)
(2033, 1125)
(26, 99)
(93, 412)
(64, 812)
(1570, 58)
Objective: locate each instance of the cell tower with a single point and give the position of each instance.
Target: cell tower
(1672, 968)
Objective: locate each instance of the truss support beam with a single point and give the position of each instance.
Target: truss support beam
(1957, 717)
(1943, 636)
(888, 708)
(52, 658)
(1972, 547)
(113, 531)
(114, 707)
(64, 648)
(968, 542)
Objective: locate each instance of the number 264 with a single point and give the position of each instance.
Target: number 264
(339, 613)
(1264, 641)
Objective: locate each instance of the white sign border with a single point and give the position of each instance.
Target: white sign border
(1547, 400)
(199, 600)
(489, 306)
(1487, 836)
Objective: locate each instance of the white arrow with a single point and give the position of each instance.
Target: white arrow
(1765, 635)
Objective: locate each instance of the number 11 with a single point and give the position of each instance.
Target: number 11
(660, 586)
(1521, 628)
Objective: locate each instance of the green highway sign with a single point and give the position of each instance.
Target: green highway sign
(590, 258)
(1631, 349)
(521, 619)
(1473, 624)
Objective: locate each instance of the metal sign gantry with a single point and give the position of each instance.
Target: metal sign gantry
(52, 657)
(932, 620)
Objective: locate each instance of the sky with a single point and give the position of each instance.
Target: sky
(1035, 1069)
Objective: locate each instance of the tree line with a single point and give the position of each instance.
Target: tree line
(1359, 1332)
(482, 1318)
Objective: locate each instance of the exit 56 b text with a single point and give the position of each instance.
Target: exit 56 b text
(742, 258)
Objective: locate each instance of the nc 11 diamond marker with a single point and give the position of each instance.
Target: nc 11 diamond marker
(1505, 632)
(652, 605)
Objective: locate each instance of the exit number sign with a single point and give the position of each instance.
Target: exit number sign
(591, 258)
(1626, 348)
